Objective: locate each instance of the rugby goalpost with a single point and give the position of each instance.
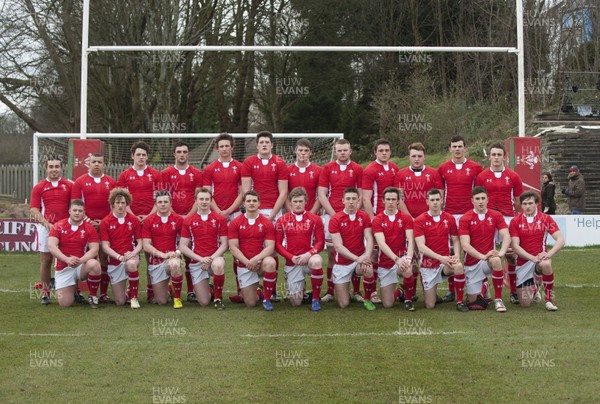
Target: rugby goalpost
(86, 50)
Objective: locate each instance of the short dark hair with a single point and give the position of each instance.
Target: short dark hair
(161, 192)
(434, 191)
(478, 190)
(53, 158)
(529, 194)
(250, 193)
(350, 190)
(497, 146)
(380, 142)
(457, 138)
(392, 190)
(180, 144)
(140, 145)
(304, 142)
(264, 133)
(97, 155)
(224, 136)
(77, 202)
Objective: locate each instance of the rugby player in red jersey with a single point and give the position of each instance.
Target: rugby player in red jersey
(352, 239)
(434, 230)
(458, 175)
(121, 237)
(142, 181)
(224, 177)
(93, 188)
(207, 233)
(74, 244)
(504, 186)
(300, 237)
(528, 231)
(393, 232)
(182, 180)
(251, 238)
(477, 230)
(414, 182)
(379, 175)
(305, 174)
(49, 204)
(159, 240)
(268, 175)
(335, 178)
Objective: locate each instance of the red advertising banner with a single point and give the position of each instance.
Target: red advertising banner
(80, 151)
(18, 235)
(525, 157)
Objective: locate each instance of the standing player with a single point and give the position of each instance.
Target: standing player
(477, 229)
(159, 240)
(379, 175)
(458, 175)
(142, 181)
(352, 239)
(335, 178)
(299, 239)
(504, 187)
(393, 232)
(49, 204)
(434, 230)
(305, 174)
(251, 239)
(74, 244)
(182, 180)
(121, 237)
(224, 177)
(528, 231)
(268, 175)
(414, 182)
(207, 231)
(94, 189)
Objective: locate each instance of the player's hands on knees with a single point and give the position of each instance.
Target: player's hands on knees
(254, 264)
(73, 261)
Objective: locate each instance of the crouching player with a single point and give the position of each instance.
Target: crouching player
(67, 242)
(207, 233)
(352, 238)
(528, 231)
(300, 236)
(477, 230)
(434, 230)
(251, 238)
(121, 236)
(393, 232)
(159, 239)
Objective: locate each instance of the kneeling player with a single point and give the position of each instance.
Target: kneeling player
(121, 236)
(159, 239)
(299, 239)
(393, 231)
(528, 231)
(67, 242)
(252, 242)
(434, 230)
(207, 231)
(477, 229)
(352, 239)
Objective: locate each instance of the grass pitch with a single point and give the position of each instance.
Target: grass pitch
(160, 355)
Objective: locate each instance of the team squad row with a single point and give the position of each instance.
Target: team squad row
(154, 208)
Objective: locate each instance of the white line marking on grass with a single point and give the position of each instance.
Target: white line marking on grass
(13, 290)
(352, 334)
(577, 286)
(20, 334)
